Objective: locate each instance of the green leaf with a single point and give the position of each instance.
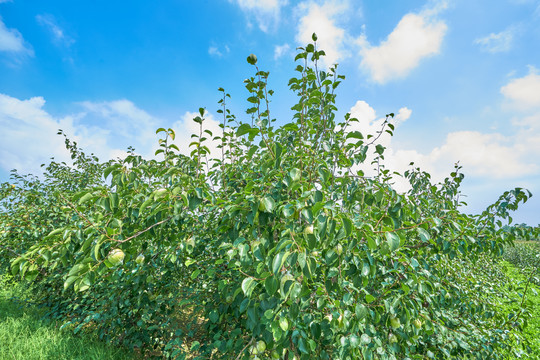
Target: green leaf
(243, 129)
(347, 224)
(355, 135)
(271, 285)
(393, 240)
(195, 274)
(213, 316)
(269, 203)
(361, 311)
(288, 210)
(371, 243)
(145, 204)
(278, 149)
(302, 346)
(284, 323)
(324, 174)
(70, 280)
(248, 285)
(85, 198)
(278, 261)
(424, 235)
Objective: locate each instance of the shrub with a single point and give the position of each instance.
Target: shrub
(280, 247)
(526, 257)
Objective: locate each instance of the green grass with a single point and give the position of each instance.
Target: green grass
(532, 331)
(25, 335)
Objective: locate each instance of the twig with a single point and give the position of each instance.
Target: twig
(143, 231)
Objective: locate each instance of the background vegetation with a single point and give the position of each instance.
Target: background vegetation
(280, 246)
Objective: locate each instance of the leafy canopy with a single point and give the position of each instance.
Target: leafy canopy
(279, 246)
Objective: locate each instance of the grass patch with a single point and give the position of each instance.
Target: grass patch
(531, 331)
(25, 335)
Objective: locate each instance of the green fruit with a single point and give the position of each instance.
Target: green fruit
(116, 256)
(392, 338)
(262, 206)
(417, 323)
(261, 346)
(252, 59)
(295, 174)
(394, 321)
(308, 230)
(160, 193)
(447, 296)
(275, 355)
(253, 350)
(139, 259)
(284, 324)
(340, 321)
(339, 249)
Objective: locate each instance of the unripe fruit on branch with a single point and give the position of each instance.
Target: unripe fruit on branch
(252, 59)
(308, 230)
(140, 259)
(160, 193)
(394, 321)
(417, 323)
(392, 338)
(275, 355)
(261, 346)
(190, 241)
(339, 249)
(116, 256)
(258, 348)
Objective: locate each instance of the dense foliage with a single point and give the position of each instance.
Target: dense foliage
(280, 247)
(525, 257)
(523, 232)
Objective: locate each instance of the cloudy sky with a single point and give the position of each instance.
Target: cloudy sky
(463, 77)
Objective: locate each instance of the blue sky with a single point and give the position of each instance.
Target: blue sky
(462, 76)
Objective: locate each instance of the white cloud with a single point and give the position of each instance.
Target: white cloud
(59, 36)
(266, 12)
(323, 20)
(29, 133)
(499, 42)
(281, 50)
(488, 156)
(524, 93)
(28, 137)
(369, 124)
(214, 51)
(11, 41)
(416, 36)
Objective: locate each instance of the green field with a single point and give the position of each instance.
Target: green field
(25, 335)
